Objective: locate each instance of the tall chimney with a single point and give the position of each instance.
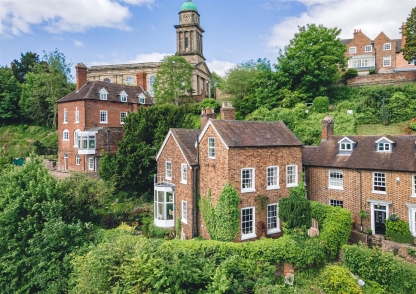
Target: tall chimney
(206, 114)
(327, 127)
(227, 111)
(141, 80)
(403, 34)
(81, 75)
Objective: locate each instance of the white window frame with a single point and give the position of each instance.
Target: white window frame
(386, 61)
(123, 115)
(211, 147)
(336, 202)
(381, 147)
(76, 134)
(377, 182)
(77, 159)
(412, 218)
(123, 98)
(368, 48)
(184, 175)
(168, 170)
(103, 94)
(76, 115)
(65, 116)
(387, 46)
(272, 178)
(184, 214)
(90, 163)
(414, 186)
(289, 182)
(344, 146)
(352, 50)
(252, 234)
(333, 182)
(252, 179)
(65, 135)
(103, 114)
(271, 218)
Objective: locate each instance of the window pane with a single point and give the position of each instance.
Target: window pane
(169, 211)
(272, 176)
(379, 182)
(335, 178)
(247, 178)
(272, 216)
(247, 221)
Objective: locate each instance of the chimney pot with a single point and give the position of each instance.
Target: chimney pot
(81, 75)
(327, 127)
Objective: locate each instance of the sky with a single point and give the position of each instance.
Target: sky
(99, 32)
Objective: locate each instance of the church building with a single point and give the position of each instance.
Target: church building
(189, 44)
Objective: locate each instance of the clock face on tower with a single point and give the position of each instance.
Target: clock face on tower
(186, 17)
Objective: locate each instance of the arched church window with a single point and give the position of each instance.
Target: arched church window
(107, 80)
(129, 81)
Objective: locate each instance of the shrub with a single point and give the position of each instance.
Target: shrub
(395, 275)
(209, 103)
(338, 280)
(398, 231)
(320, 104)
(350, 73)
(156, 232)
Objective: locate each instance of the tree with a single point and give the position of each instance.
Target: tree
(311, 61)
(409, 49)
(10, 90)
(216, 82)
(173, 80)
(134, 165)
(25, 65)
(34, 239)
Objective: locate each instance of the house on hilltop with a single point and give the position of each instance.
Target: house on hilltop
(373, 173)
(256, 158)
(381, 54)
(90, 120)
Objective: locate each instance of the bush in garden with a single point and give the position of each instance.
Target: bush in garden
(320, 104)
(398, 231)
(336, 279)
(350, 73)
(395, 275)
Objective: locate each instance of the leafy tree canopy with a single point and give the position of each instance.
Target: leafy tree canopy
(409, 50)
(10, 90)
(26, 63)
(216, 82)
(311, 61)
(173, 80)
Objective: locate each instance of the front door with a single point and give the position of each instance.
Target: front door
(380, 219)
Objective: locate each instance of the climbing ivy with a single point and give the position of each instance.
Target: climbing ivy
(222, 220)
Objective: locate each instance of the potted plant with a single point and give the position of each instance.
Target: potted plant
(394, 217)
(364, 214)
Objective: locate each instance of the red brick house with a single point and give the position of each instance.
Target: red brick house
(373, 173)
(381, 54)
(256, 158)
(90, 120)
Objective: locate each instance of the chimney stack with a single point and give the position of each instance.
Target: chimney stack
(327, 127)
(141, 80)
(81, 75)
(227, 111)
(206, 114)
(403, 34)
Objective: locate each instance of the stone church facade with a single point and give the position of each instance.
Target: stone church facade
(189, 44)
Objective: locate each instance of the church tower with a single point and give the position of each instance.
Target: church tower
(189, 34)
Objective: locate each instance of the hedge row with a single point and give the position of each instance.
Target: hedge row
(395, 275)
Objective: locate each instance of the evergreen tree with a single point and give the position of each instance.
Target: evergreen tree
(10, 90)
(409, 50)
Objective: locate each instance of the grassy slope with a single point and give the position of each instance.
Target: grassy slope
(16, 141)
(379, 129)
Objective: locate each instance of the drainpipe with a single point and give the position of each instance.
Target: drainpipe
(195, 181)
(108, 140)
(361, 198)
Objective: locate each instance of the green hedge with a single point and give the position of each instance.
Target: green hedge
(395, 275)
(398, 231)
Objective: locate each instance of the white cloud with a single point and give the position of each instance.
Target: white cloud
(78, 43)
(220, 67)
(371, 16)
(139, 58)
(17, 16)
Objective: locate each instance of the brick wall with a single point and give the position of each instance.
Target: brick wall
(172, 153)
(385, 78)
(398, 193)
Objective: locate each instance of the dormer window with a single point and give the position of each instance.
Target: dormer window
(103, 94)
(142, 99)
(123, 96)
(346, 146)
(384, 145)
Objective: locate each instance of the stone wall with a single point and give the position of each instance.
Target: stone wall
(381, 79)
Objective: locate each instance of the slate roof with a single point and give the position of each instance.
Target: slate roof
(364, 156)
(90, 90)
(345, 41)
(237, 133)
(186, 139)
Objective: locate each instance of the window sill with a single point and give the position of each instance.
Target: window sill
(248, 236)
(183, 182)
(273, 188)
(184, 221)
(248, 190)
(168, 179)
(291, 185)
(76, 122)
(103, 123)
(211, 157)
(335, 188)
(65, 140)
(122, 123)
(413, 196)
(379, 192)
(273, 231)
(65, 123)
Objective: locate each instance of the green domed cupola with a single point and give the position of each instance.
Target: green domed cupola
(189, 5)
